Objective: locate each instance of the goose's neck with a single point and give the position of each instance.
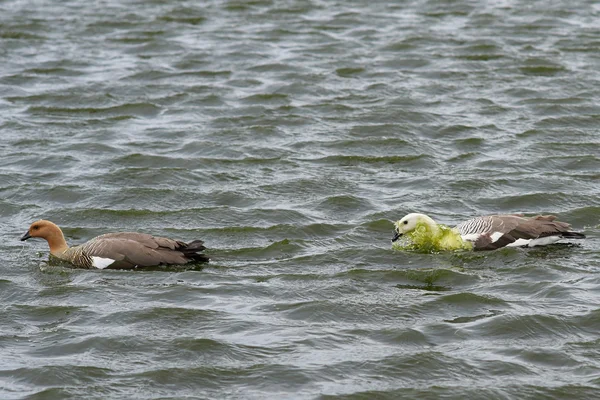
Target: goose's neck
(58, 244)
(430, 223)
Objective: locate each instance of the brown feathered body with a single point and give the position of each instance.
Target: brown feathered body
(121, 250)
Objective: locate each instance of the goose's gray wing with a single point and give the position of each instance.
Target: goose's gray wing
(132, 249)
(490, 223)
(496, 231)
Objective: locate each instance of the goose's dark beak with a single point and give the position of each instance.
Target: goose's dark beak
(397, 235)
(25, 236)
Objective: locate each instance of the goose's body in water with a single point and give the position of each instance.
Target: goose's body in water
(120, 250)
(483, 233)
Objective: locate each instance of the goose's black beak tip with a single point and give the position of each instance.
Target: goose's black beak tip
(25, 236)
(397, 236)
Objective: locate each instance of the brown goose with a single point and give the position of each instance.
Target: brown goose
(489, 232)
(121, 250)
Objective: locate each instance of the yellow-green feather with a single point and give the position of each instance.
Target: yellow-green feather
(425, 239)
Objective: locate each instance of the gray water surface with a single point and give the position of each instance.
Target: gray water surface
(288, 135)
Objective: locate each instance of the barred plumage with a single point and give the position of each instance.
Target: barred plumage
(475, 225)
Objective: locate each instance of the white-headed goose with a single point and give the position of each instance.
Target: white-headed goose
(486, 233)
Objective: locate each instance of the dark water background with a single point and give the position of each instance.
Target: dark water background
(287, 135)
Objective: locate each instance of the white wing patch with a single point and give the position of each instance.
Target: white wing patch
(471, 237)
(519, 243)
(101, 263)
(535, 242)
(544, 241)
(496, 235)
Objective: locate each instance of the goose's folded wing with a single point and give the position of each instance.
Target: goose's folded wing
(147, 240)
(490, 224)
(492, 232)
(129, 252)
(503, 230)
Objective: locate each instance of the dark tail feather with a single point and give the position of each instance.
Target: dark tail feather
(572, 235)
(192, 250)
(196, 245)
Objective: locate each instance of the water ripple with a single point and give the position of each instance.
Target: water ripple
(288, 136)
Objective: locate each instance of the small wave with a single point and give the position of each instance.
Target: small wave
(356, 160)
(545, 328)
(132, 109)
(17, 35)
(58, 375)
(284, 248)
(469, 299)
(189, 20)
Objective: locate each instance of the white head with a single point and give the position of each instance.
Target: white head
(409, 222)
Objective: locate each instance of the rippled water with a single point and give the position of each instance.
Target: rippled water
(287, 135)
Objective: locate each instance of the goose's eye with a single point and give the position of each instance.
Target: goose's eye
(405, 222)
(35, 228)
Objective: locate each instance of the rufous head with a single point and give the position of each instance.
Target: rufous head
(43, 229)
(49, 231)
